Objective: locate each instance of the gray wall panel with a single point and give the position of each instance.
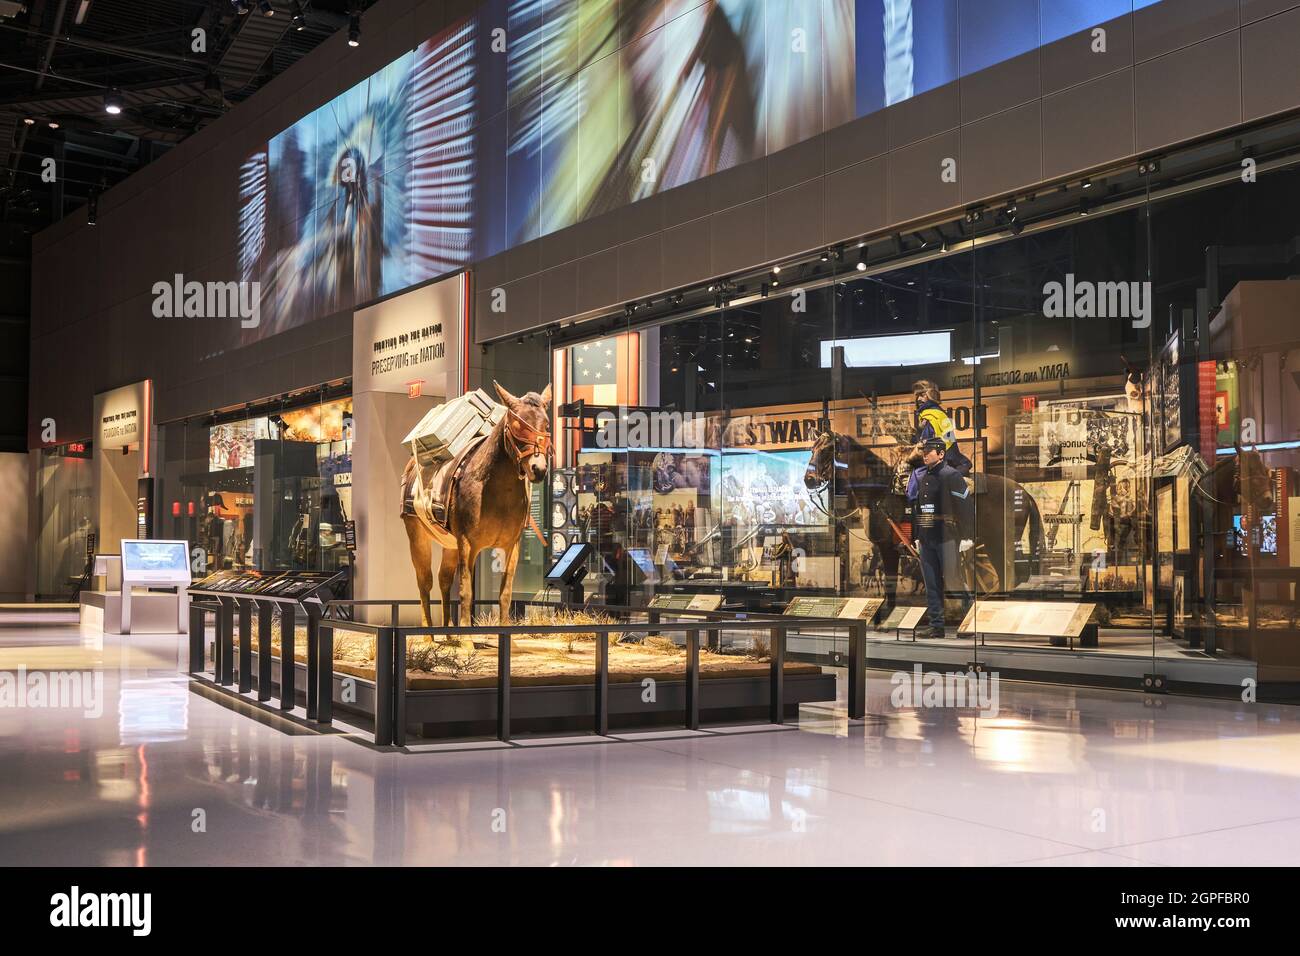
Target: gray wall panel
(924, 115)
(1002, 152)
(687, 253)
(915, 185)
(856, 200)
(1258, 9)
(1000, 87)
(1188, 93)
(736, 240)
(1270, 65)
(640, 267)
(1164, 27)
(796, 220)
(796, 164)
(1088, 125)
(1072, 60)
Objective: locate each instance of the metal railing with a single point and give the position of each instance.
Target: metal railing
(390, 684)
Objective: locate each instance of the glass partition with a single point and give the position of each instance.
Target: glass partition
(269, 489)
(64, 520)
(1113, 388)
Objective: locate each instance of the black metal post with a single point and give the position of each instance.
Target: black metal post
(288, 656)
(503, 687)
(245, 645)
(198, 623)
(225, 642)
(384, 687)
(857, 670)
(324, 670)
(778, 675)
(313, 649)
(265, 610)
(399, 687)
(602, 685)
(715, 639)
(692, 680)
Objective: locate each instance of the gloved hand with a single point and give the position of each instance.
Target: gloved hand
(966, 545)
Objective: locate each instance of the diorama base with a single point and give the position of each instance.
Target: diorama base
(471, 711)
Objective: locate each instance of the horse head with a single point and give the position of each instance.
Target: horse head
(821, 463)
(527, 431)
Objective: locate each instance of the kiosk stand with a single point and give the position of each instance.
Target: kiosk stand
(567, 572)
(155, 564)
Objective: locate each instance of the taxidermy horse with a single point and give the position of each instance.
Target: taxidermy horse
(845, 467)
(486, 504)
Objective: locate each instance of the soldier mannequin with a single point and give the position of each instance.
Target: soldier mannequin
(944, 522)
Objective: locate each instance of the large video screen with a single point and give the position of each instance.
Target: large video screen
(767, 488)
(529, 115)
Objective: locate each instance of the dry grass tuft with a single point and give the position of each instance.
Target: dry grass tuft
(556, 617)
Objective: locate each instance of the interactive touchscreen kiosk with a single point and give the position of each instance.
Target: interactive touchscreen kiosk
(568, 571)
(156, 564)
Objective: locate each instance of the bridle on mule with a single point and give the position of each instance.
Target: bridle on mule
(524, 441)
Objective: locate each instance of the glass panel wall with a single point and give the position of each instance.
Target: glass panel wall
(1112, 389)
(64, 521)
(269, 489)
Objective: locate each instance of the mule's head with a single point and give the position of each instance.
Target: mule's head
(528, 431)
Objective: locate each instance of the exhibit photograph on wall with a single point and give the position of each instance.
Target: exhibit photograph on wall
(525, 117)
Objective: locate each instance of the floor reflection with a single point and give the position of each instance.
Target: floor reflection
(159, 775)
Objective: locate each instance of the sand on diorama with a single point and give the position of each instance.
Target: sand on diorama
(536, 660)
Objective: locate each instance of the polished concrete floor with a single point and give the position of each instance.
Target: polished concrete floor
(1060, 777)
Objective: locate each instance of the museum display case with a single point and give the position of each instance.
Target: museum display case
(1131, 450)
(265, 488)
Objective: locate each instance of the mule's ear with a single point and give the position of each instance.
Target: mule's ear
(506, 397)
(546, 394)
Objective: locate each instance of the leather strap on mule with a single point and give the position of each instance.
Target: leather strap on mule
(525, 440)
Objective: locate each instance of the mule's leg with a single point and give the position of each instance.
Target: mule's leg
(421, 543)
(508, 584)
(466, 554)
(446, 575)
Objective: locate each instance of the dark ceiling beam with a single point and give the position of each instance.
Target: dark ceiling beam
(14, 157)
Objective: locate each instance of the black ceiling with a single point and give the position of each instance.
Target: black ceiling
(59, 58)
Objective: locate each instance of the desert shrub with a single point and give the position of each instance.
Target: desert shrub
(441, 657)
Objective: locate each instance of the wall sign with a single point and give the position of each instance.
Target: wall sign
(415, 337)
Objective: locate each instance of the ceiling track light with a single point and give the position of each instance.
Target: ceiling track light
(264, 6)
(354, 30)
(241, 7)
(1085, 207)
(1086, 184)
(113, 102)
(29, 121)
(298, 15)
